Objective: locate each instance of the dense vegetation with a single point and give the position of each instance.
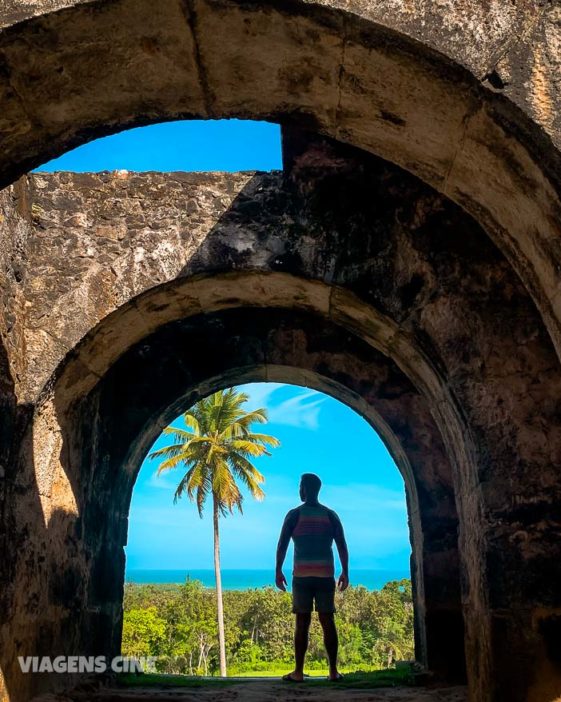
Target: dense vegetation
(178, 624)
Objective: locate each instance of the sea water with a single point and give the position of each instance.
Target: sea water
(248, 579)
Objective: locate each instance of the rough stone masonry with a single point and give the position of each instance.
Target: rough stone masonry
(406, 260)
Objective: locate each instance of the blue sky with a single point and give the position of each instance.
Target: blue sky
(213, 145)
(318, 434)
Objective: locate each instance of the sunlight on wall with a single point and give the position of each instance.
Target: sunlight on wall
(55, 490)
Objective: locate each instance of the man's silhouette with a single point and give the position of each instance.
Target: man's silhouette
(313, 528)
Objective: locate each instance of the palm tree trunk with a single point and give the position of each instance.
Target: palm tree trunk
(219, 603)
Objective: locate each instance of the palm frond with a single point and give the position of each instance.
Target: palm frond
(234, 430)
(246, 447)
(264, 439)
(202, 493)
(259, 415)
(215, 449)
(192, 421)
(248, 474)
(166, 451)
(184, 485)
(170, 463)
(196, 486)
(224, 487)
(181, 434)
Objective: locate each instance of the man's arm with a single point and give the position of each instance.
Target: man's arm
(341, 543)
(284, 540)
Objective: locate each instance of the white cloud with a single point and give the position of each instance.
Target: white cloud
(162, 482)
(301, 410)
(260, 393)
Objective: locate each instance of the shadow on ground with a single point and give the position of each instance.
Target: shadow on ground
(355, 688)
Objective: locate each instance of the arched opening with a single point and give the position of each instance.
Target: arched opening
(186, 146)
(171, 542)
(110, 66)
(425, 273)
(450, 311)
(242, 339)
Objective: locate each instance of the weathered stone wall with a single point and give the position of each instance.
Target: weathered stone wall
(115, 259)
(101, 239)
(14, 232)
(362, 72)
(464, 95)
(512, 48)
(99, 242)
(8, 222)
(204, 352)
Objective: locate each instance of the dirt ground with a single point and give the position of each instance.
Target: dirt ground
(265, 690)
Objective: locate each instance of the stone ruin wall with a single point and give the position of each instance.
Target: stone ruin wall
(512, 48)
(96, 241)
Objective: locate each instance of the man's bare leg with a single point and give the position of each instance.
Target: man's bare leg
(331, 641)
(300, 644)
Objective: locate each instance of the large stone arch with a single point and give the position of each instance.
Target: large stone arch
(346, 70)
(88, 448)
(94, 464)
(379, 255)
(281, 345)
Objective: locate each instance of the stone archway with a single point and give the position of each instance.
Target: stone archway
(422, 283)
(404, 271)
(93, 68)
(91, 446)
(83, 415)
(241, 345)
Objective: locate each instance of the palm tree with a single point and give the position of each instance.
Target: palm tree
(216, 450)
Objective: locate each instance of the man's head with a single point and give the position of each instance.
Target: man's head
(310, 486)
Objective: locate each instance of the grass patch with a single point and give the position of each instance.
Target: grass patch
(370, 679)
(160, 680)
(357, 680)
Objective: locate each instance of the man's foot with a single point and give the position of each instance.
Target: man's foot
(293, 677)
(335, 677)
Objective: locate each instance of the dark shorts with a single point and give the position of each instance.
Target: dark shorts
(306, 590)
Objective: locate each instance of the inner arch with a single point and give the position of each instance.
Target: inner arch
(317, 434)
(158, 377)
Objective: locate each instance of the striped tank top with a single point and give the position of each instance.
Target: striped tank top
(313, 534)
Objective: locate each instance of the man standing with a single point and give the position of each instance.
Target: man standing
(313, 528)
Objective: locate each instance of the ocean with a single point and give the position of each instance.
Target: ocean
(248, 579)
